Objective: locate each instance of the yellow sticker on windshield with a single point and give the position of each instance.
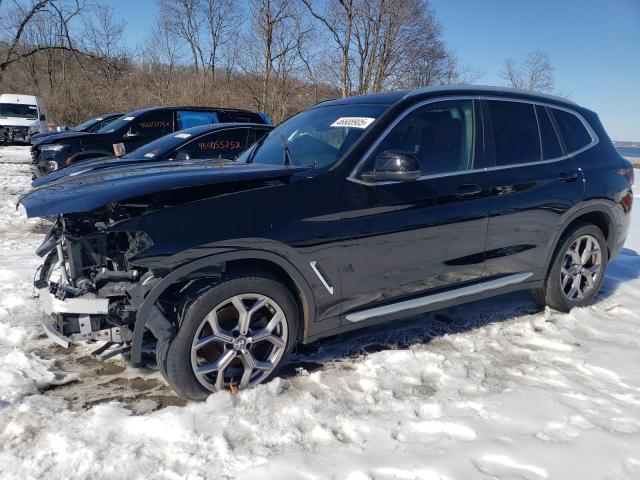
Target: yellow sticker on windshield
(353, 122)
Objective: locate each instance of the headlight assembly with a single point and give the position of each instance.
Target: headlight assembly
(52, 148)
(51, 166)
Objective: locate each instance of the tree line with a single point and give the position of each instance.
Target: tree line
(276, 56)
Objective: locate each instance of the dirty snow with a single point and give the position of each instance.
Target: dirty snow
(495, 389)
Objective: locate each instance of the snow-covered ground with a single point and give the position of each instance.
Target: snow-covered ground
(493, 389)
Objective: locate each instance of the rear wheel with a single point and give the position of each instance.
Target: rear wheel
(235, 335)
(577, 270)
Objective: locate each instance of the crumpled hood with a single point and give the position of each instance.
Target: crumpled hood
(62, 136)
(91, 190)
(112, 163)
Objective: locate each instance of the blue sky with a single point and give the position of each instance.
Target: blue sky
(594, 46)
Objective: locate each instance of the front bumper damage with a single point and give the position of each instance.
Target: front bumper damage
(10, 133)
(71, 320)
(71, 315)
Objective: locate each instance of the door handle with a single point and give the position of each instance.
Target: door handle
(468, 190)
(568, 176)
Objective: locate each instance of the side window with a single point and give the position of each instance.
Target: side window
(515, 132)
(226, 144)
(153, 124)
(440, 135)
(573, 132)
(242, 117)
(194, 118)
(550, 143)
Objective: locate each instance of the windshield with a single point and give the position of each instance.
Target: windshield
(316, 138)
(158, 148)
(116, 124)
(19, 110)
(81, 127)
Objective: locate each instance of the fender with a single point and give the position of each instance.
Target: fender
(599, 208)
(144, 313)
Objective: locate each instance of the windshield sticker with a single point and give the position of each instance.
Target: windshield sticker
(220, 145)
(183, 135)
(128, 119)
(152, 153)
(155, 124)
(353, 122)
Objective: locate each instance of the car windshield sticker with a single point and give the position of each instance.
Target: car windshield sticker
(220, 145)
(353, 122)
(152, 153)
(155, 124)
(128, 119)
(183, 135)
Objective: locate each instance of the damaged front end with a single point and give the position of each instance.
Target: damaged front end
(88, 289)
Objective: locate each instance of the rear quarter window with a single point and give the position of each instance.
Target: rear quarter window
(573, 131)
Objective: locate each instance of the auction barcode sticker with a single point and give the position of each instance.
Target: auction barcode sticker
(353, 122)
(183, 135)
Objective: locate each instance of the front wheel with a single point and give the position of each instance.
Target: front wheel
(234, 335)
(577, 270)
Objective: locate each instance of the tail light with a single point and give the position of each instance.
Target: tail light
(629, 173)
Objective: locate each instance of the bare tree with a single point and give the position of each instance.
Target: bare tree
(338, 18)
(184, 16)
(21, 41)
(534, 73)
(221, 19)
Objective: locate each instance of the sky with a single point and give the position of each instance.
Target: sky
(594, 46)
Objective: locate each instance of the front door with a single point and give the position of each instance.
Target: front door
(406, 238)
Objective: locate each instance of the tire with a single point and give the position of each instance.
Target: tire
(572, 281)
(224, 354)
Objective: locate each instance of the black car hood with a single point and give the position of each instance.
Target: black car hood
(92, 190)
(63, 137)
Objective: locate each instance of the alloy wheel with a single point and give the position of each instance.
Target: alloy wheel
(239, 343)
(581, 267)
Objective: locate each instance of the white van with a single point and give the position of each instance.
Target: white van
(21, 116)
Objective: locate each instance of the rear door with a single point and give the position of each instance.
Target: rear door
(533, 186)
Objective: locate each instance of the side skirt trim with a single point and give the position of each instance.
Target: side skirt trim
(437, 297)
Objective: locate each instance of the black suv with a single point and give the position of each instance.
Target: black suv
(90, 125)
(130, 131)
(353, 212)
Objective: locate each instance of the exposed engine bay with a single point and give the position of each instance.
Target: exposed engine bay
(85, 280)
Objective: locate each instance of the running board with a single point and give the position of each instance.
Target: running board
(437, 297)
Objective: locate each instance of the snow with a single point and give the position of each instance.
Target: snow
(495, 389)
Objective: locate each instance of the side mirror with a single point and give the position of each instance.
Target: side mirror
(394, 166)
(43, 118)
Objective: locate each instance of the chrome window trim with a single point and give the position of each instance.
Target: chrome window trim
(355, 172)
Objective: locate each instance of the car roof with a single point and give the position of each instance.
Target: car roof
(200, 109)
(222, 126)
(389, 98)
